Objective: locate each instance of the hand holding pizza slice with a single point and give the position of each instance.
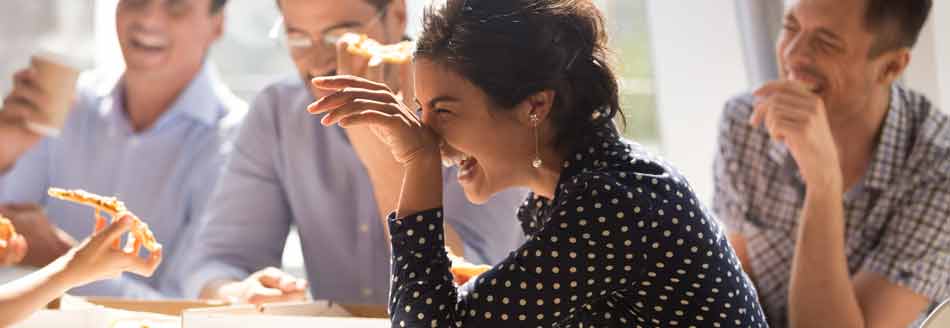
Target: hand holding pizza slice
(140, 235)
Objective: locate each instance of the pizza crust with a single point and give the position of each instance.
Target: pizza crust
(362, 45)
(140, 232)
(6, 229)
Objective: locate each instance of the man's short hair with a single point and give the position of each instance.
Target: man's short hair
(217, 5)
(895, 23)
(379, 4)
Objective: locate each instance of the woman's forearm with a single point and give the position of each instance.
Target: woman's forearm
(422, 184)
(24, 296)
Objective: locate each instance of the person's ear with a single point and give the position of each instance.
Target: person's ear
(537, 107)
(218, 25)
(399, 15)
(894, 65)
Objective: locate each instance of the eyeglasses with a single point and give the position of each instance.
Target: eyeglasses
(301, 43)
(174, 8)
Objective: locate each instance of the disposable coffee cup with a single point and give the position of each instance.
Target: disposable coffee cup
(56, 75)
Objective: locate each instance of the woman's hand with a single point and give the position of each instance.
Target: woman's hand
(97, 258)
(397, 76)
(12, 250)
(361, 102)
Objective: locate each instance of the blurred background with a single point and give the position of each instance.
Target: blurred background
(248, 59)
(679, 60)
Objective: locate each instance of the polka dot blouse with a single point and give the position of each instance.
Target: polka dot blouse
(624, 243)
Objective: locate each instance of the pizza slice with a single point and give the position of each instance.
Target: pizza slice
(140, 232)
(463, 271)
(362, 45)
(6, 230)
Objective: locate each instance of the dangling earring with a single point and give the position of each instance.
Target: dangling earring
(536, 163)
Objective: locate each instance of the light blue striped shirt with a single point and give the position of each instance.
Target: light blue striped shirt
(164, 174)
(287, 169)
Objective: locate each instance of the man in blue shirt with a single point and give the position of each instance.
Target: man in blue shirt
(335, 185)
(156, 136)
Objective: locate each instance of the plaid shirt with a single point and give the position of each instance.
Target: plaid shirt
(897, 217)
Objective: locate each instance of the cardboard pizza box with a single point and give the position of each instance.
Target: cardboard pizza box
(312, 314)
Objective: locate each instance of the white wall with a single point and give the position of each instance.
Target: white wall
(929, 71)
(699, 64)
(941, 23)
(108, 53)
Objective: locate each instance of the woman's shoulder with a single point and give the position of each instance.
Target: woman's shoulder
(611, 168)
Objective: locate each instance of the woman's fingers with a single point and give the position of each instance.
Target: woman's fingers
(144, 267)
(113, 233)
(132, 245)
(347, 81)
(356, 107)
(372, 117)
(348, 95)
(100, 223)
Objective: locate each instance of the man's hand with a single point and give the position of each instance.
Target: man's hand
(17, 140)
(797, 117)
(270, 285)
(27, 99)
(22, 105)
(47, 242)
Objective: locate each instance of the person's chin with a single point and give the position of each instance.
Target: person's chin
(476, 197)
(141, 58)
(476, 188)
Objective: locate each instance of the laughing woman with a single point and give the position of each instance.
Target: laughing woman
(518, 93)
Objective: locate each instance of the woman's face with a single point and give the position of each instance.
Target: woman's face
(492, 147)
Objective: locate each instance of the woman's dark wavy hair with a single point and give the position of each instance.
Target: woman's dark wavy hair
(512, 49)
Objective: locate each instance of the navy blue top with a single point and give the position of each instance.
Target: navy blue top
(624, 243)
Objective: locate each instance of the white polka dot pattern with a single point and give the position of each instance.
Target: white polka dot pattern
(624, 243)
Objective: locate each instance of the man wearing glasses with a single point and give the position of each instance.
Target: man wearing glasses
(335, 185)
(156, 136)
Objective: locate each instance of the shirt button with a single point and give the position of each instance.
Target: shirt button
(364, 228)
(367, 292)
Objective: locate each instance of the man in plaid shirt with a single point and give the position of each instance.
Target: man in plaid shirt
(834, 181)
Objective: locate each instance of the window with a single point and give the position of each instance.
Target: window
(27, 25)
(630, 42)
(248, 59)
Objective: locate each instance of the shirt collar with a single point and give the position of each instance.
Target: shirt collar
(892, 144)
(199, 101)
(603, 148)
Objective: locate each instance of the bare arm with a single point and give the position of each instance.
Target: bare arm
(20, 298)
(386, 176)
(822, 290)
(95, 259)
